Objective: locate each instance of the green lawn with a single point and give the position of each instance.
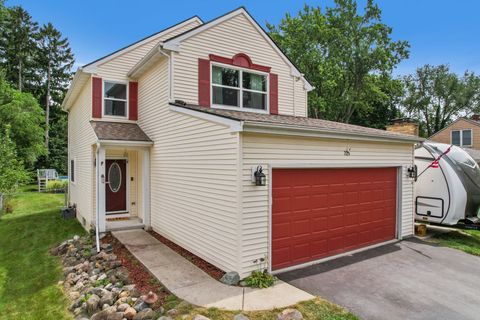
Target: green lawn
(465, 240)
(28, 273)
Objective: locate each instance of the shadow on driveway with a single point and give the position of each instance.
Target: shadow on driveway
(411, 279)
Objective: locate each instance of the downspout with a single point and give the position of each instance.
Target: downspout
(97, 191)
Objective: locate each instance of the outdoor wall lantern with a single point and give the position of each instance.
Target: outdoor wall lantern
(412, 172)
(258, 177)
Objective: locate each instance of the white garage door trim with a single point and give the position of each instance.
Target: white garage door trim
(290, 165)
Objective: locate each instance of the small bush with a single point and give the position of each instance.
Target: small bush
(259, 279)
(7, 205)
(57, 185)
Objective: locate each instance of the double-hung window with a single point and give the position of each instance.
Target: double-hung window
(462, 138)
(238, 88)
(114, 99)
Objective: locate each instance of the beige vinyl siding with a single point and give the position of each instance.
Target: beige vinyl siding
(194, 175)
(80, 140)
(236, 35)
(269, 149)
(117, 68)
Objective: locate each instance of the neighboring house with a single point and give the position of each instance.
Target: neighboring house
(463, 132)
(171, 130)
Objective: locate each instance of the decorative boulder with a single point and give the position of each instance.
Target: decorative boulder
(231, 278)
(240, 317)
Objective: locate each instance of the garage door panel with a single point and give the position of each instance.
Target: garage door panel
(322, 212)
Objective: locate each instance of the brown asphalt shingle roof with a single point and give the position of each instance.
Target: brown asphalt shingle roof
(304, 122)
(118, 131)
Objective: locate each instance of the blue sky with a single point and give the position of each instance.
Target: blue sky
(439, 31)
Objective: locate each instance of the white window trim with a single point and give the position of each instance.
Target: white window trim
(126, 100)
(461, 137)
(240, 88)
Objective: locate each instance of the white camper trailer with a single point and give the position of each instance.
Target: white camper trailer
(447, 190)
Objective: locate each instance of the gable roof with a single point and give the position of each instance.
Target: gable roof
(83, 73)
(142, 41)
(285, 122)
(174, 42)
(477, 123)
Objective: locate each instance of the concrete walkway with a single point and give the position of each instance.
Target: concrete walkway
(191, 284)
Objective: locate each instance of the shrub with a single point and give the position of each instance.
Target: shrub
(259, 279)
(57, 185)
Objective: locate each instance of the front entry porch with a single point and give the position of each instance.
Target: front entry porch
(122, 185)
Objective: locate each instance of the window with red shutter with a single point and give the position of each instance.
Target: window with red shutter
(133, 100)
(243, 86)
(96, 97)
(204, 82)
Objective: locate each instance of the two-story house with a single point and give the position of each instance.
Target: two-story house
(201, 133)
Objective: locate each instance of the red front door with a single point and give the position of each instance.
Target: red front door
(116, 186)
(323, 212)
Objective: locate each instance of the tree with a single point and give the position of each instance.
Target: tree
(17, 46)
(342, 54)
(54, 61)
(381, 111)
(435, 96)
(23, 116)
(12, 172)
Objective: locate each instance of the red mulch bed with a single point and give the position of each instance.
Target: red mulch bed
(138, 274)
(207, 267)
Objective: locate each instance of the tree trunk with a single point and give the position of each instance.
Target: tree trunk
(47, 108)
(20, 75)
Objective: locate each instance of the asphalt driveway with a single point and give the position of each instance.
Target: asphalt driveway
(411, 279)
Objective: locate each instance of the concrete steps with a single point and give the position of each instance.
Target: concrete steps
(120, 225)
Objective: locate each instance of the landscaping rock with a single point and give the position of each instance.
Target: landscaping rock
(145, 314)
(123, 306)
(200, 317)
(140, 305)
(107, 298)
(74, 295)
(240, 317)
(165, 318)
(130, 313)
(107, 314)
(290, 314)
(172, 312)
(92, 304)
(231, 278)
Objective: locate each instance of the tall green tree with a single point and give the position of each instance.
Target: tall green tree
(17, 47)
(342, 53)
(12, 171)
(54, 61)
(381, 110)
(21, 113)
(436, 96)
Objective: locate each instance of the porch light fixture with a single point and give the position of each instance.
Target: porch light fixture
(412, 172)
(259, 177)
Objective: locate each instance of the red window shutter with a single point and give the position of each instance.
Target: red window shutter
(96, 97)
(273, 93)
(133, 100)
(204, 82)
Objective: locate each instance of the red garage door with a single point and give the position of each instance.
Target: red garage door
(322, 212)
